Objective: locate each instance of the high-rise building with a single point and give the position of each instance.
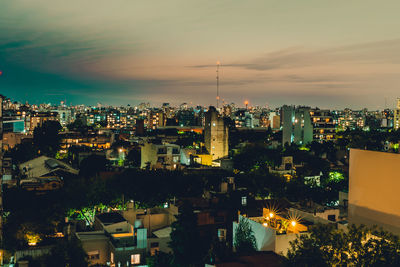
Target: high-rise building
(396, 113)
(216, 134)
(324, 127)
(297, 125)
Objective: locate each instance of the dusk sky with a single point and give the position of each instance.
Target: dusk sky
(331, 54)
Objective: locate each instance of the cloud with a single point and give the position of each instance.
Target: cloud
(382, 52)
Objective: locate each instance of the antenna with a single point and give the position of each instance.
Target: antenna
(218, 64)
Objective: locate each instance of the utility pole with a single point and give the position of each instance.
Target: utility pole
(218, 64)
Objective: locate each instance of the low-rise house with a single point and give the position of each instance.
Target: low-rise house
(44, 167)
(157, 155)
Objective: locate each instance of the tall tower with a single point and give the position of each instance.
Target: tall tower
(216, 134)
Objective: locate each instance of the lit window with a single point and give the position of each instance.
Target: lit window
(135, 259)
(244, 201)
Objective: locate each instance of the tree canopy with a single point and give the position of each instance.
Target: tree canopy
(359, 246)
(245, 241)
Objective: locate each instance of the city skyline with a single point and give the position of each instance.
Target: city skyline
(330, 55)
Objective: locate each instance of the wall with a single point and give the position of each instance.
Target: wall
(373, 184)
(112, 228)
(98, 244)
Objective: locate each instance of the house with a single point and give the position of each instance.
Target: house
(115, 241)
(124, 239)
(272, 231)
(157, 155)
(44, 167)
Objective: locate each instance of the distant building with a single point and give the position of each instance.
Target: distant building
(38, 118)
(156, 119)
(14, 126)
(373, 198)
(64, 116)
(324, 127)
(396, 120)
(160, 156)
(216, 134)
(274, 120)
(297, 126)
(11, 139)
(139, 127)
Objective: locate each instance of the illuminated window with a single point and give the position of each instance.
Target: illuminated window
(244, 201)
(135, 259)
(94, 255)
(222, 234)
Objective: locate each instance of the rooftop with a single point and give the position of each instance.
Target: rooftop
(43, 165)
(110, 218)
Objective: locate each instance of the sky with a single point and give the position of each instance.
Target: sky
(329, 54)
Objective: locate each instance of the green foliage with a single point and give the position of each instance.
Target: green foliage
(23, 152)
(160, 259)
(153, 188)
(79, 126)
(134, 158)
(92, 165)
(359, 246)
(185, 242)
(256, 156)
(66, 253)
(46, 138)
(245, 240)
(336, 176)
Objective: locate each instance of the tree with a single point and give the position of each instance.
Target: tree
(92, 165)
(46, 138)
(160, 259)
(134, 157)
(185, 238)
(67, 253)
(245, 240)
(359, 246)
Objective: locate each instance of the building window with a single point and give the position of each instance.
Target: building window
(93, 255)
(112, 257)
(222, 234)
(135, 259)
(162, 151)
(244, 201)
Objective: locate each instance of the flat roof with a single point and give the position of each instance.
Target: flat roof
(110, 218)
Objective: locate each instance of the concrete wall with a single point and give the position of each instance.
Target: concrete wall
(373, 184)
(282, 243)
(125, 226)
(162, 244)
(319, 217)
(154, 221)
(100, 245)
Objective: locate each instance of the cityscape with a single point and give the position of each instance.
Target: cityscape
(126, 140)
